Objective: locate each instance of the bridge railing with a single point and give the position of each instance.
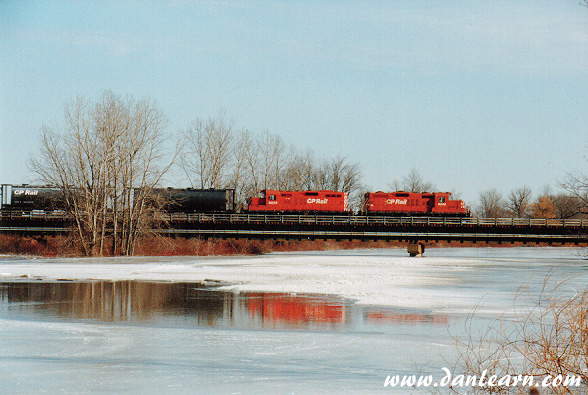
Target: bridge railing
(372, 220)
(352, 220)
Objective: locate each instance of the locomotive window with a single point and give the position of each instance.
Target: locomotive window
(442, 199)
(272, 197)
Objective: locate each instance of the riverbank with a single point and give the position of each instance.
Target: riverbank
(62, 246)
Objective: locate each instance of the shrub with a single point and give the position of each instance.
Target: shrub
(546, 337)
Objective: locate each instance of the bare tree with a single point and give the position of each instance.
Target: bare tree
(259, 162)
(207, 154)
(274, 157)
(413, 182)
(299, 173)
(567, 206)
(345, 176)
(337, 174)
(264, 161)
(576, 184)
(249, 151)
(106, 159)
(491, 204)
(240, 178)
(518, 202)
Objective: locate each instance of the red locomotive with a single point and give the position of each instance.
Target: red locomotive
(299, 202)
(408, 203)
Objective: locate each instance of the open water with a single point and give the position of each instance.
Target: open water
(117, 337)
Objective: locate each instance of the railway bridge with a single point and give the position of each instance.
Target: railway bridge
(336, 227)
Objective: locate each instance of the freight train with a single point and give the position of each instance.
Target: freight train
(187, 200)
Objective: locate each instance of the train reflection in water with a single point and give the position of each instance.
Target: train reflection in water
(193, 304)
(290, 310)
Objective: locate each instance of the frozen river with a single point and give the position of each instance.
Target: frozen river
(299, 323)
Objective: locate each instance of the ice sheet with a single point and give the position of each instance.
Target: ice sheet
(64, 355)
(447, 280)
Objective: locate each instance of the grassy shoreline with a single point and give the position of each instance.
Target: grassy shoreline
(62, 246)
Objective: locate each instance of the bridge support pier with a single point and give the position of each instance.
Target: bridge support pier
(416, 249)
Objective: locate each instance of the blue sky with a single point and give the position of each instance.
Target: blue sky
(473, 94)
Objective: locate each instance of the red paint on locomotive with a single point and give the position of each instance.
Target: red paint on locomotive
(299, 201)
(408, 203)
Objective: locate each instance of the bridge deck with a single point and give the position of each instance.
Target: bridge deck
(331, 227)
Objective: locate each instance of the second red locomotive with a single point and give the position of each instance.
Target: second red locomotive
(409, 204)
